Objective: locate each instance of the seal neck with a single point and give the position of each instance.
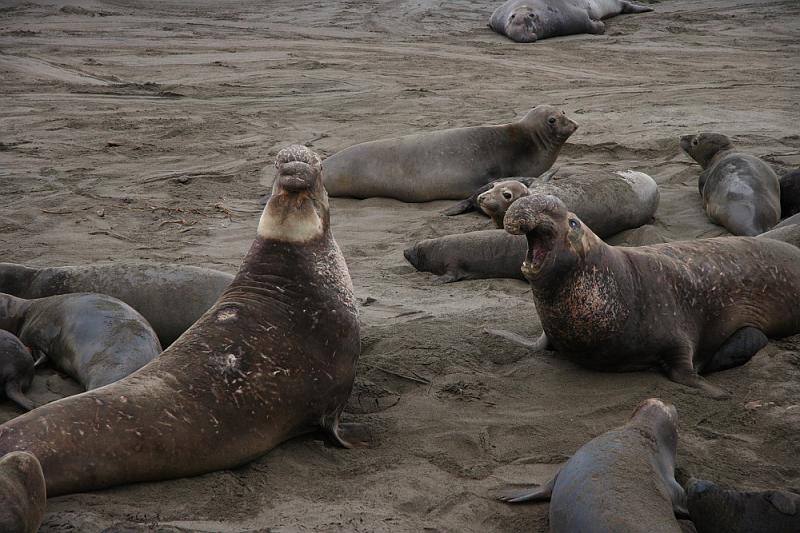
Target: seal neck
(12, 312)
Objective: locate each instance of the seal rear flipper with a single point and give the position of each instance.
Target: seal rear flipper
(14, 393)
(464, 206)
(737, 350)
(526, 493)
(630, 7)
(347, 435)
(538, 345)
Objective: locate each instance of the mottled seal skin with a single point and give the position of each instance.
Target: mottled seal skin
(471, 203)
(171, 297)
(94, 338)
(275, 357)
(790, 193)
(685, 307)
(22, 493)
(528, 21)
(16, 369)
(714, 509)
(621, 481)
(449, 164)
(740, 192)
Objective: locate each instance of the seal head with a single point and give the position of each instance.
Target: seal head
(704, 146)
(521, 25)
(549, 125)
(499, 197)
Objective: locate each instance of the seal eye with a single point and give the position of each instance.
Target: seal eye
(507, 195)
(573, 223)
(551, 120)
(694, 142)
(512, 16)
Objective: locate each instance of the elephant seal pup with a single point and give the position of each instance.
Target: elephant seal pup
(621, 481)
(716, 509)
(790, 193)
(275, 357)
(515, 186)
(22, 493)
(740, 191)
(171, 297)
(93, 338)
(686, 307)
(449, 164)
(16, 369)
(528, 21)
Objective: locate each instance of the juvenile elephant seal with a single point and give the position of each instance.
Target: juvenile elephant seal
(16, 369)
(449, 164)
(528, 21)
(171, 297)
(273, 358)
(621, 481)
(22, 493)
(93, 338)
(715, 509)
(790, 193)
(740, 191)
(686, 307)
(471, 203)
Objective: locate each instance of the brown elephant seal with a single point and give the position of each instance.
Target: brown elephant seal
(516, 186)
(790, 193)
(686, 307)
(714, 509)
(93, 338)
(22, 493)
(528, 21)
(740, 191)
(621, 481)
(273, 358)
(449, 164)
(16, 369)
(171, 297)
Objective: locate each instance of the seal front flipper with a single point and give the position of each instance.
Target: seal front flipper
(526, 493)
(15, 394)
(464, 206)
(686, 375)
(347, 435)
(538, 345)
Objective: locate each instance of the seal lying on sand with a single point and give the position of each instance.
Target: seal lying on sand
(686, 307)
(93, 338)
(275, 357)
(528, 21)
(715, 509)
(790, 193)
(787, 231)
(16, 370)
(171, 297)
(22, 493)
(449, 164)
(515, 186)
(740, 191)
(621, 481)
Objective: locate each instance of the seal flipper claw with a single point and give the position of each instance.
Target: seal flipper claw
(15, 394)
(40, 357)
(526, 493)
(538, 345)
(350, 435)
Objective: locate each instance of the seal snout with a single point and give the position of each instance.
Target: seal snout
(533, 212)
(412, 255)
(298, 168)
(658, 407)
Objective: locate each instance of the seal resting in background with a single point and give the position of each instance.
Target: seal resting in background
(714, 509)
(787, 231)
(22, 493)
(93, 338)
(740, 192)
(273, 358)
(449, 164)
(686, 307)
(170, 297)
(515, 187)
(528, 21)
(790, 193)
(16, 370)
(621, 481)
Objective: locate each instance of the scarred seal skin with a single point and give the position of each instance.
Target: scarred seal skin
(449, 164)
(16, 369)
(274, 357)
(22, 493)
(686, 307)
(621, 481)
(528, 21)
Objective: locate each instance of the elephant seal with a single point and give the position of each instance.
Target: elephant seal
(787, 231)
(171, 297)
(22, 493)
(16, 369)
(686, 307)
(273, 358)
(471, 203)
(714, 509)
(621, 481)
(740, 192)
(790, 193)
(93, 338)
(449, 164)
(528, 21)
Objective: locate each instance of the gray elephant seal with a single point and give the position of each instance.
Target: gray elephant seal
(684, 306)
(528, 21)
(449, 164)
(171, 297)
(740, 191)
(787, 231)
(93, 338)
(621, 481)
(275, 357)
(22, 493)
(610, 202)
(790, 193)
(16, 369)
(471, 203)
(715, 509)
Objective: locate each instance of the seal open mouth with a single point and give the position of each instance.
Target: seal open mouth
(539, 246)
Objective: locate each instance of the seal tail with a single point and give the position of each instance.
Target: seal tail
(630, 7)
(14, 393)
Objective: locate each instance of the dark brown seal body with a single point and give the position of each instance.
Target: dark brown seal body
(93, 338)
(273, 358)
(622, 481)
(790, 193)
(171, 297)
(740, 191)
(22, 493)
(449, 164)
(687, 307)
(16, 369)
